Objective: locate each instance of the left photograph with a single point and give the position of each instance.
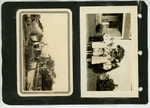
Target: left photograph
(44, 52)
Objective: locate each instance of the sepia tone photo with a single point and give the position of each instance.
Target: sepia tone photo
(109, 51)
(44, 52)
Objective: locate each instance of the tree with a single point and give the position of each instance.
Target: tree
(48, 73)
(106, 84)
(46, 69)
(50, 65)
(47, 80)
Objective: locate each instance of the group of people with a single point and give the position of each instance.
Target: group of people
(103, 54)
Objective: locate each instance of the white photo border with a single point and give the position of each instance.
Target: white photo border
(134, 37)
(19, 46)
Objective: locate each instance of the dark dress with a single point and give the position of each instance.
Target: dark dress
(98, 68)
(97, 38)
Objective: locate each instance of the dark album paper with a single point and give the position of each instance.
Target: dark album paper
(85, 52)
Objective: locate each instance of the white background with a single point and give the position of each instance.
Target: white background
(3, 105)
(55, 28)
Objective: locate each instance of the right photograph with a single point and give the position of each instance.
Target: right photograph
(109, 52)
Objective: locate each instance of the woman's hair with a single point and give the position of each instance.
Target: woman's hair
(106, 85)
(120, 53)
(117, 54)
(99, 28)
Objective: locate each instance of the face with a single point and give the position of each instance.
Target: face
(101, 30)
(113, 54)
(103, 76)
(111, 39)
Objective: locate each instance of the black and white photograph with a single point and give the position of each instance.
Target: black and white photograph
(44, 48)
(109, 51)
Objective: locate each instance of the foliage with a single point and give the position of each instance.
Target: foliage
(47, 80)
(106, 85)
(48, 73)
(117, 53)
(50, 65)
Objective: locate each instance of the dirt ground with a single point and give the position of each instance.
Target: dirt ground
(28, 55)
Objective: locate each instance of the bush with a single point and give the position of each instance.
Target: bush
(106, 85)
(47, 80)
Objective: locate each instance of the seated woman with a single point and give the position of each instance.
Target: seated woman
(98, 35)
